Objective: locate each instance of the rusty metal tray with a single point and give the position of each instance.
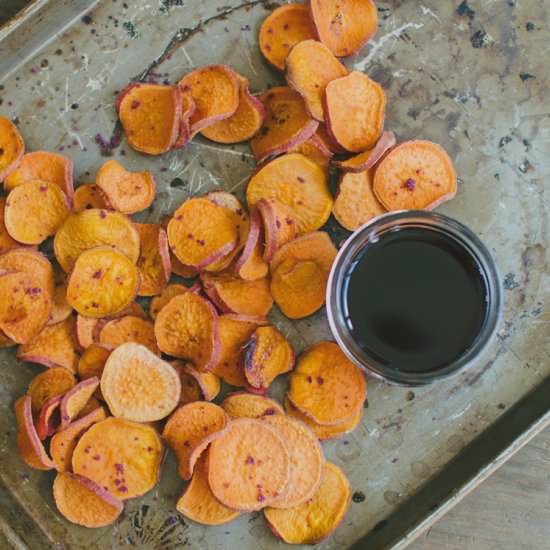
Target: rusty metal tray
(458, 77)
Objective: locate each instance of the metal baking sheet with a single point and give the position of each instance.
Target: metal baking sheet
(473, 78)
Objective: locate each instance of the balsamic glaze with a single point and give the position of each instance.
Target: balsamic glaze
(416, 299)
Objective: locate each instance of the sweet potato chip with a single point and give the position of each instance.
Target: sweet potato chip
(12, 147)
(356, 203)
(29, 446)
(61, 310)
(91, 228)
(215, 90)
(25, 306)
(174, 289)
(187, 327)
(121, 455)
(47, 384)
(103, 282)
(299, 184)
(92, 362)
(243, 124)
(201, 233)
(315, 149)
(154, 260)
(325, 432)
(75, 400)
(49, 417)
(63, 443)
(248, 465)
(129, 329)
(306, 460)
(6, 241)
(251, 264)
(235, 295)
(268, 354)
(34, 211)
(91, 405)
(196, 385)
(88, 196)
(310, 66)
(315, 519)
(85, 328)
(355, 107)
(368, 159)
(125, 191)
(278, 224)
(188, 427)
(416, 175)
(188, 108)
(344, 27)
(43, 166)
(139, 386)
(316, 246)
(248, 405)
(326, 385)
(150, 115)
(84, 502)
(234, 334)
(198, 502)
(30, 261)
(55, 346)
(287, 123)
(281, 29)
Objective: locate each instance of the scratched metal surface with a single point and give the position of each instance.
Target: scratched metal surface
(474, 79)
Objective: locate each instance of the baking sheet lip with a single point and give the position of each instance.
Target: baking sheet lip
(20, 17)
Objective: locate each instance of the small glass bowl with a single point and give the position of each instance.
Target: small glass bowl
(400, 221)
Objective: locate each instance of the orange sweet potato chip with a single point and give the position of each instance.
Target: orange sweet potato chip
(281, 29)
(234, 295)
(215, 90)
(88, 196)
(129, 329)
(25, 306)
(299, 184)
(91, 228)
(196, 385)
(150, 115)
(55, 346)
(43, 166)
(251, 264)
(48, 384)
(268, 354)
(154, 260)
(85, 327)
(201, 232)
(188, 108)
(243, 124)
(199, 504)
(248, 465)
(368, 159)
(125, 191)
(306, 460)
(61, 310)
(278, 224)
(287, 123)
(29, 446)
(326, 385)
(325, 432)
(344, 27)
(416, 175)
(49, 419)
(182, 270)
(187, 327)
(6, 241)
(316, 246)
(187, 429)
(34, 211)
(84, 502)
(310, 66)
(315, 519)
(76, 399)
(63, 443)
(234, 334)
(316, 149)
(92, 362)
(91, 405)
(158, 302)
(139, 386)
(103, 282)
(249, 405)
(30, 261)
(355, 107)
(12, 147)
(356, 203)
(121, 455)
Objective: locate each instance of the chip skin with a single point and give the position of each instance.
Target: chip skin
(6, 241)
(154, 260)
(48, 419)
(251, 265)
(12, 147)
(188, 108)
(279, 226)
(196, 385)
(367, 160)
(76, 399)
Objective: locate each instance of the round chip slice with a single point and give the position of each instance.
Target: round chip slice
(139, 386)
(48, 384)
(158, 302)
(129, 329)
(27, 260)
(88, 196)
(34, 211)
(248, 465)
(91, 228)
(103, 282)
(61, 310)
(12, 147)
(249, 405)
(298, 183)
